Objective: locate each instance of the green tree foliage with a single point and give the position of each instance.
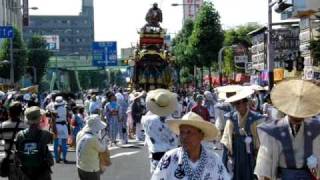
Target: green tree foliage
(38, 56)
(237, 35)
(180, 44)
(315, 47)
(116, 78)
(207, 36)
(92, 79)
(185, 75)
(19, 56)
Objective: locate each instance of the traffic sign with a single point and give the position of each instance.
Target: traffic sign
(104, 53)
(6, 32)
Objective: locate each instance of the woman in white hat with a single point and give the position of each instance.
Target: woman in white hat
(290, 147)
(240, 135)
(191, 160)
(88, 148)
(159, 137)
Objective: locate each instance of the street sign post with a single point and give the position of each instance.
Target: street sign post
(6, 32)
(104, 53)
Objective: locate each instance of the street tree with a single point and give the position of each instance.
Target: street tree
(19, 57)
(38, 57)
(234, 36)
(206, 38)
(185, 75)
(180, 44)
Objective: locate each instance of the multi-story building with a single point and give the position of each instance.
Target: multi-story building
(306, 10)
(76, 33)
(11, 13)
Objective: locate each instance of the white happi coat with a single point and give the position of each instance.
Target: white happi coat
(169, 167)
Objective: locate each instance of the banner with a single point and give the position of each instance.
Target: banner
(278, 74)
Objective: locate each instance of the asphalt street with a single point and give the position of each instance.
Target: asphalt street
(129, 162)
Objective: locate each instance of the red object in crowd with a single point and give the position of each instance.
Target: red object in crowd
(202, 111)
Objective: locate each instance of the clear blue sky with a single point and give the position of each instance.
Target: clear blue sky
(119, 19)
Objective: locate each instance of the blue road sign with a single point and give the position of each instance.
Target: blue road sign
(104, 53)
(6, 32)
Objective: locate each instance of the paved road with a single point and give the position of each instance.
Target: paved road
(129, 162)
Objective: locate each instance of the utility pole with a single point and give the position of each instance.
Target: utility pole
(11, 63)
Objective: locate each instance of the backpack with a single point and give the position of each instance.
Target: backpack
(33, 154)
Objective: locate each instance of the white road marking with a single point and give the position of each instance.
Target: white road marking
(124, 154)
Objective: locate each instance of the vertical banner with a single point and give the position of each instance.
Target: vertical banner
(25, 15)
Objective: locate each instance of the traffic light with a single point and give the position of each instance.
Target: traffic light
(281, 6)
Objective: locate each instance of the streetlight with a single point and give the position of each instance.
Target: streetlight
(280, 7)
(220, 61)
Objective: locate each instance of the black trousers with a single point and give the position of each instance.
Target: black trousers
(83, 175)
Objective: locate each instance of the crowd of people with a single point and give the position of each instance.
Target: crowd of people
(239, 132)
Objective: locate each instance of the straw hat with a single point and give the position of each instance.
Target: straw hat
(193, 119)
(297, 98)
(228, 88)
(241, 94)
(135, 95)
(161, 102)
(223, 90)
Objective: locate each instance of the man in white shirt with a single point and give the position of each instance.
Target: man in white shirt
(191, 160)
(159, 137)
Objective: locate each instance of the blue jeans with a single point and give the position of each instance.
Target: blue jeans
(64, 148)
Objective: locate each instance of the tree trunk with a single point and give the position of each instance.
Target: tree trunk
(210, 79)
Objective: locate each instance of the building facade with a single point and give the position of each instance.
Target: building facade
(76, 33)
(11, 13)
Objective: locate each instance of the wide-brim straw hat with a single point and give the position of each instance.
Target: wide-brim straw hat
(161, 102)
(192, 119)
(135, 95)
(243, 93)
(228, 88)
(297, 98)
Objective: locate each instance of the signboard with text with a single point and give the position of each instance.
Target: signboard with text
(6, 32)
(104, 53)
(52, 41)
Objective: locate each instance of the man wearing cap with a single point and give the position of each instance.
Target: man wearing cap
(89, 145)
(240, 136)
(290, 147)
(25, 145)
(200, 109)
(159, 137)
(191, 160)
